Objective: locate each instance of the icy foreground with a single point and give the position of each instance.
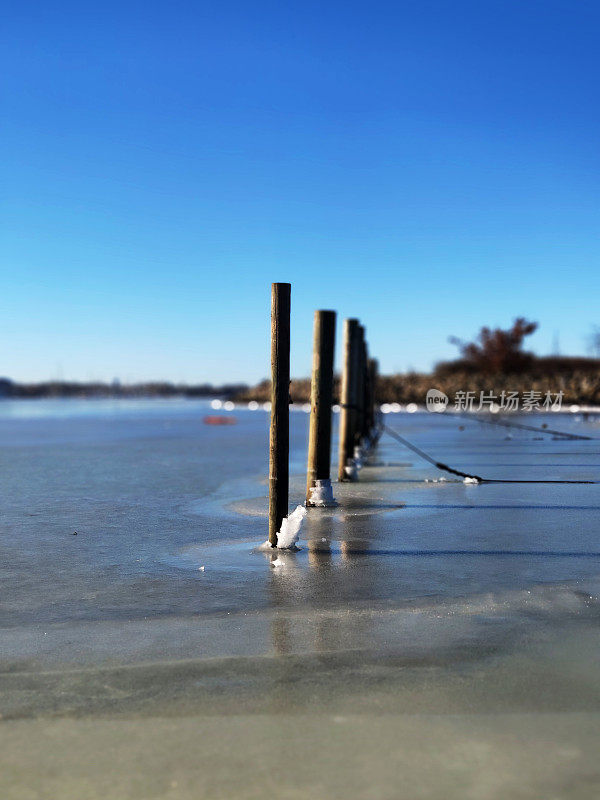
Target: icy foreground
(431, 636)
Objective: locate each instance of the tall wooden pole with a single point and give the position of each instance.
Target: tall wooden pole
(279, 440)
(373, 369)
(366, 391)
(348, 397)
(360, 387)
(321, 392)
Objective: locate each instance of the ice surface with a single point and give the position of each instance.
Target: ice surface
(462, 626)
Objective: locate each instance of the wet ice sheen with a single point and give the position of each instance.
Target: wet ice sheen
(426, 626)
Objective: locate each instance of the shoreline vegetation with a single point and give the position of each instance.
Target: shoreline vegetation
(577, 378)
(493, 363)
(74, 389)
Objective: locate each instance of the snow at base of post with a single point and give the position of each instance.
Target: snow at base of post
(350, 470)
(290, 528)
(287, 536)
(321, 494)
(358, 457)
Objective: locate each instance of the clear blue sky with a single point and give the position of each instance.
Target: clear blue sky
(429, 166)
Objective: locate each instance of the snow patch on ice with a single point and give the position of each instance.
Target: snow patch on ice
(321, 494)
(354, 464)
(290, 528)
(358, 457)
(350, 470)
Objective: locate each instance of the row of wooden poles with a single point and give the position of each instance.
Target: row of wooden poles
(357, 402)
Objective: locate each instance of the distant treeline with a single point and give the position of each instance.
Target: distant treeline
(9, 388)
(577, 378)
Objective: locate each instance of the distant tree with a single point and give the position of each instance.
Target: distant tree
(594, 341)
(498, 350)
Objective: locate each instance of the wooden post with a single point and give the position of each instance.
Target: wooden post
(366, 389)
(348, 397)
(360, 387)
(279, 440)
(321, 391)
(367, 395)
(373, 370)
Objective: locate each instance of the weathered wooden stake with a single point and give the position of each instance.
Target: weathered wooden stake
(373, 370)
(321, 391)
(360, 386)
(279, 440)
(348, 397)
(364, 372)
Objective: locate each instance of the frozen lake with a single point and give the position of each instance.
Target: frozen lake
(412, 597)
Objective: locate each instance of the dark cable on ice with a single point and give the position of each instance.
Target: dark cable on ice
(506, 424)
(452, 471)
(424, 455)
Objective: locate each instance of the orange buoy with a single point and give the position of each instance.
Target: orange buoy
(217, 419)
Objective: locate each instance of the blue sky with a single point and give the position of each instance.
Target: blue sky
(427, 166)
